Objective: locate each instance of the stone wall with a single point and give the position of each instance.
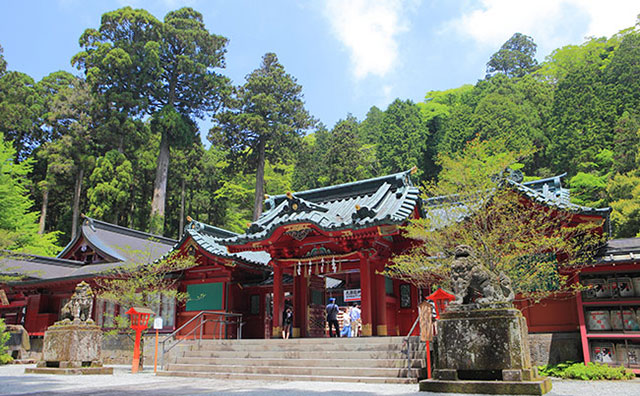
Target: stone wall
(553, 348)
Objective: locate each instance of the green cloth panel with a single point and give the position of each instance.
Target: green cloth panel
(204, 296)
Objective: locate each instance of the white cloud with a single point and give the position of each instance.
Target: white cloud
(369, 30)
(492, 22)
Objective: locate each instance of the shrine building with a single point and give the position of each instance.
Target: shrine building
(306, 247)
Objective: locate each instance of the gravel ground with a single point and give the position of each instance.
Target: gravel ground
(13, 381)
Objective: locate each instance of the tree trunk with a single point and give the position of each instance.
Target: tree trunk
(259, 197)
(181, 210)
(76, 203)
(160, 187)
(43, 213)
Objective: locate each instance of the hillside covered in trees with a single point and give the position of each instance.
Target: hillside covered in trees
(120, 141)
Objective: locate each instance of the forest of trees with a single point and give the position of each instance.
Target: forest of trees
(120, 142)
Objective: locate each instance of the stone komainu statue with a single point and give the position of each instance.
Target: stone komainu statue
(471, 282)
(81, 304)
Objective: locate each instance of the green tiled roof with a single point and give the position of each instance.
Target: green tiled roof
(208, 237)
(384, 200)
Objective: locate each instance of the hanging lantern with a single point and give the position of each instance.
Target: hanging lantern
(333, 264)
(310, 264)
(299, 265)
(322, 265)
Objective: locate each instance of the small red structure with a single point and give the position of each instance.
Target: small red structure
(139, 321)
(441, 299)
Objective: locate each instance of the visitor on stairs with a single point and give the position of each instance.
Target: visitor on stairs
(287, 321)
(346, 323)
(354, 314)
(332, 317)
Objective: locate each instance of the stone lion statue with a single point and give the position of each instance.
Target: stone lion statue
(471, 282)
(79, 307)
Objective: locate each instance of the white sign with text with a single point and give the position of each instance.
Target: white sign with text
(352, 295)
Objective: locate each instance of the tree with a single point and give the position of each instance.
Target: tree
(141, 66)
(624, 194)
(403, 138)
(3, 63)
(18, 224)
(143, 282)
(264, 118)
(111, 181)
(21, 112)
(515, 58)
(4, 337)
(70, 153)
(474, 203)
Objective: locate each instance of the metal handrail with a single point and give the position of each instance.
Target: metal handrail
(200, 326)
(408, 350)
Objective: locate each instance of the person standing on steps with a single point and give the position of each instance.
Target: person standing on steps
(332, 317)
(287, 321)
(354, 313)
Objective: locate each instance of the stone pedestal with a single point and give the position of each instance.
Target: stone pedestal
(484, 349)
(71, 348)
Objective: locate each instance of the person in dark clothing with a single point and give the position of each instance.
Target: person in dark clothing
(332, 317)
(287, 321)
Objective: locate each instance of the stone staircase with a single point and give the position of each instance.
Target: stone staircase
(362, 359)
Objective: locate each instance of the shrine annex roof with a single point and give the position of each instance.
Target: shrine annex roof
(208, 238)
(383, 200)
(34, 268)
(117, 243)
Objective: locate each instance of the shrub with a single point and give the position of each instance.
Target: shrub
(4, 337)
(590, 371)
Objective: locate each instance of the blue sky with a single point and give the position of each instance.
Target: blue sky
(347, 55)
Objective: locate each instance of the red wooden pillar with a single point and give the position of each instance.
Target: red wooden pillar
(300, 303)
(365, 296)
(31, 318)
(380, 301)
(278, 300)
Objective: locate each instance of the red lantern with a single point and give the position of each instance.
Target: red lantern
(139, 318)
(441, 299)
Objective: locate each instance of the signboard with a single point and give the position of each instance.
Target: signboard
(157, 323)
(352, 295)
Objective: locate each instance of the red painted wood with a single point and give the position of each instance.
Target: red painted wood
(365, 294)
(278, 297)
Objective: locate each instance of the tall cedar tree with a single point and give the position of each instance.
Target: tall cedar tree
(167, 70)
(515, 58)
(264, 117)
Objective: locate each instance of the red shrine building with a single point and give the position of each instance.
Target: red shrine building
(306, 247)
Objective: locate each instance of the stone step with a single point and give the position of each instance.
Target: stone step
(319, 340)
(373, 363)
(284, 377)
(327, 346)
(300, 371)
(299, 354)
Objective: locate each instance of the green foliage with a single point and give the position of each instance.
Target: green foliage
(142, 282)
(3, 62)
(18, 224)
(473, 204)
(624, 195)
(264, 119)
(591, 371)
(111, 181)
(4, 337)
(403, 138)
(515, 58)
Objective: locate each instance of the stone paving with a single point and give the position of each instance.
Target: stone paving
(14, 382)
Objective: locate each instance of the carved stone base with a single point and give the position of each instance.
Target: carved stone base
(539, 387)
(484, 349)
(71, 348)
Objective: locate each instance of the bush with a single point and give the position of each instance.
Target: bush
(590, 371)
(4, 337)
